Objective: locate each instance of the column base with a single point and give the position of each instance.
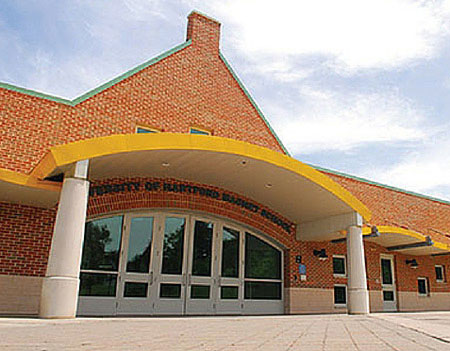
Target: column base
(358, 301)
(59, 297)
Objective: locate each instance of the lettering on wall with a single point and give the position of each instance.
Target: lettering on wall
(100, 190)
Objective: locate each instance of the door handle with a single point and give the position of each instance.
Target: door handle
(189, 279)
(183, 279)
(151, 278)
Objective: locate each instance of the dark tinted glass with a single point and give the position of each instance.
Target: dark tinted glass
(200, 292)
(261, 259)
(198, 131)
(386, 271)
(170, 291)
(422, 286)
(388, 296)
(439, 273)
(338, 265)
(262, 291)
(135, 289)
(173, 245)
(201, 259)
(140, 244)
(143, 130)
(230, 253)
(340, 296)
(98, 284)
(102, 244)
(229, 292)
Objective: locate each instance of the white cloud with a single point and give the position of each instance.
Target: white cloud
(426, 170)
(351, 35)
(319, 120)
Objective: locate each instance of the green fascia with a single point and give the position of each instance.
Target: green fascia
(102, 87)
(233, 73)
(379, 184)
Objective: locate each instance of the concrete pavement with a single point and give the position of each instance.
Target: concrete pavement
(409, 332)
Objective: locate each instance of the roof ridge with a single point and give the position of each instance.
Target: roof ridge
(364, 180)
(100, 88)
(258, 110)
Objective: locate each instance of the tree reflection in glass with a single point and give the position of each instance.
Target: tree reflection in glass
(140, 244)
(261, 259)
(201, 260)
(230, 253)
(173, 245)
(102, 244)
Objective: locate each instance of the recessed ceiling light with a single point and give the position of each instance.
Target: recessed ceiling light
(268, 185)
(244, 162)
(165, 164)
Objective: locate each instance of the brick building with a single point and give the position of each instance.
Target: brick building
(165, 191)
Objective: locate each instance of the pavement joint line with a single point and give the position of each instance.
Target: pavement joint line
(301, 335)
(350, 336)
(378, 337)
(413, 329)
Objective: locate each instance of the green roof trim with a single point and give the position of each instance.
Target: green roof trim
(35, 93)
(233, 73)
(364, 180)
(102, 87)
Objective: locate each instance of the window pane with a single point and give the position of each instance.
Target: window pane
(98, 284)
(388, 296)
(439, 273)
(135, 289)
(230, 253)
(338, 265)
(143, 130)
(170, 291)
(261, 259)
(198, 131)
(386, 271)
(201, 259)
(422, 286)
(229, 292)
(102, 244)
(173, 245)
(262, 291)
(140, 244)
(340, 296)
(200, 292)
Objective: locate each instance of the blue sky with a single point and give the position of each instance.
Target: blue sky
(357, 86)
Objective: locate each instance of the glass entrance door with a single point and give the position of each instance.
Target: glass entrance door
(201, 282)
(172, 265)
(159, 263)
(136, 290)
(388, 283)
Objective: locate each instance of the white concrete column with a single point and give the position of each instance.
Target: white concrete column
(358, 296)
(59, 294)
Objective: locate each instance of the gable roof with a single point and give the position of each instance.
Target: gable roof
(135, 70)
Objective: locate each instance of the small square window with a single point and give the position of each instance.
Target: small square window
(422, 286)
(340, 295)
(199, 131)
(142, 130)
(440, 277)
(339, 266)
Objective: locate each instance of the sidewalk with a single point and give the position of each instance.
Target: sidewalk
(309, 332)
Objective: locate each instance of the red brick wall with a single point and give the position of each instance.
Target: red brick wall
(192, 87)
(395, 208)
(25, 239)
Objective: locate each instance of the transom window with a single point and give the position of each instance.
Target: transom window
(142, 130)
(199, 131)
